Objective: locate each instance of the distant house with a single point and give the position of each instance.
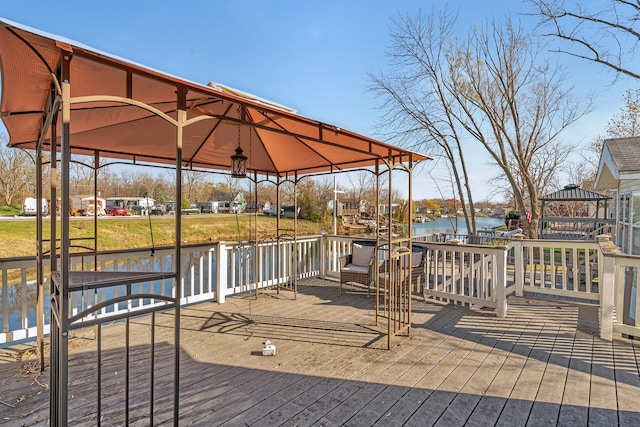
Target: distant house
(619, 172)
(223, 200)
(384, 209)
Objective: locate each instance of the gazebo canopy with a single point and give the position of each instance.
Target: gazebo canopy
(123, 110)
(580, 224)
(108, 107)
(573, 193)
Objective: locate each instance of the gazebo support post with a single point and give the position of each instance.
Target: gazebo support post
(278, 252)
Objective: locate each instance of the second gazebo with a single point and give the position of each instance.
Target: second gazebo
(574, 213)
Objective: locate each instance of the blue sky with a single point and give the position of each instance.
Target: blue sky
(310, 56)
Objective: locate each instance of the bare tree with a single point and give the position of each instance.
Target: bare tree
(17, 172)
(168, 180)
(193, 185)
(490, 86)
(604, 33)
(314, 196)
(324, 192)
(448, 206)
(626, 123)
(545, 167)
(526, 105)
(419, 97)
(362, 189)
(287, 193)
(81, 175)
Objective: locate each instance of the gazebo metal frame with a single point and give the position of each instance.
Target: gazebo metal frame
(64, 98)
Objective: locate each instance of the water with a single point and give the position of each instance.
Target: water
(449, 225)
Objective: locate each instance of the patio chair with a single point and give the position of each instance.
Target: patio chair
(418, 269)
(358, 266)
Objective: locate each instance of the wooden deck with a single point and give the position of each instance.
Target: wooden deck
(542, 365)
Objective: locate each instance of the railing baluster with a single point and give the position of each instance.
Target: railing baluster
(463, 273)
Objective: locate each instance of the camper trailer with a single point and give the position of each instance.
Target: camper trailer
(208, 207)
(85, 205)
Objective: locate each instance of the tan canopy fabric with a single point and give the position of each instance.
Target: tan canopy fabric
(58, 94)
(126, 111)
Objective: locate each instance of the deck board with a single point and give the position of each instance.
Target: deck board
(541, 365)
(577, 387)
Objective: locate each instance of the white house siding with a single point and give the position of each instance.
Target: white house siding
(629, 185)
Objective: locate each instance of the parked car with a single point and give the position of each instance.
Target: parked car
(269, 212)
(158, 210)
(116, 211)
(138, 210)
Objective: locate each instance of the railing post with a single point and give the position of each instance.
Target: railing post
(221, 273)
(608, 287)
(518, 261)
(323, 255)
(501, 283)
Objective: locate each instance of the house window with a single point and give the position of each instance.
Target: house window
(628, 236)
(635, 249)
(624, 208)
(624, 236)
(636, 208)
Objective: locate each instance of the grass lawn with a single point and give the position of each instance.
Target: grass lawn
(18, 236)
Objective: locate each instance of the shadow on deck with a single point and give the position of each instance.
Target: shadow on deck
(542, 365)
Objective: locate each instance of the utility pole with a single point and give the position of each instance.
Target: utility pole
(335, 205)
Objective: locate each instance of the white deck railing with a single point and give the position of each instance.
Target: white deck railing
(567, 268)
(460, 273)
(467, 274)
(576, 228)
(243, 267)
(620, 304)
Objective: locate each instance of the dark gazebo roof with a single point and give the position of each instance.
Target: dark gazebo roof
(573, 192)
(573, 227)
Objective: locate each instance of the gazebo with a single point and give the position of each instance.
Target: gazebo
(61, 99)
(574, 213)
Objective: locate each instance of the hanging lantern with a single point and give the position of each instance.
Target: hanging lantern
(239, 161)
(239, 164)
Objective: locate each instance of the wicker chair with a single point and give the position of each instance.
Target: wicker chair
(358, 266)
(418, 270)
